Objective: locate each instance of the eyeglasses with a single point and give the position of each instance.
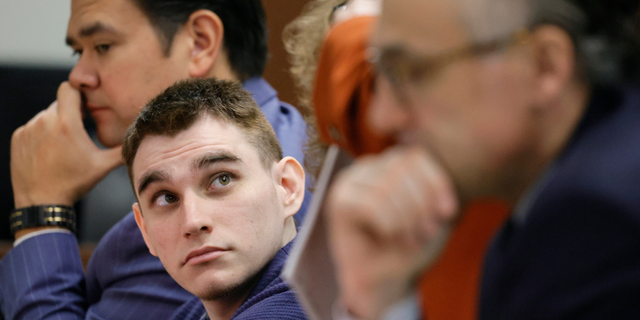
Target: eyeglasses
(342, 5)
(404, 70)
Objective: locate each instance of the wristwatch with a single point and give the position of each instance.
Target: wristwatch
(41, 216)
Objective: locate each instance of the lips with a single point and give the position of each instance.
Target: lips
(203, 255)
(93, 108)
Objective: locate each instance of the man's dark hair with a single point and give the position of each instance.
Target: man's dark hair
(181, 105)
(606, 33)
(245, 28)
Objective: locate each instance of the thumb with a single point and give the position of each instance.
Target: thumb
(109, 159)
(69, 102)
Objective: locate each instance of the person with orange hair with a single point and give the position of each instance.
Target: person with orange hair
(329, 45)
(534, 102)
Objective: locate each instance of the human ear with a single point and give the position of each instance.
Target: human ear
(554, 62)
(206, 31)
(137, 212)
(290, 177)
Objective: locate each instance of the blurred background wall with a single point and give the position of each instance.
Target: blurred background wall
(33, 62)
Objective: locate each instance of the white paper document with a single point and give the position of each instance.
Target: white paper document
(309, 270)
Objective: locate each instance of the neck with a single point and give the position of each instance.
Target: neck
(554, 126)
(222, 69)
(290, 231)
(223, 309)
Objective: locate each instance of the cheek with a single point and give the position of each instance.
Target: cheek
(449, 112)
(256, 219)
(475, 116)
(250, 212)
(124, 90)
(164, 237)
(506, 109)
(131, 80)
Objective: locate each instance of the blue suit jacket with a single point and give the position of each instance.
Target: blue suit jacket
(42, 278)
(574, 253)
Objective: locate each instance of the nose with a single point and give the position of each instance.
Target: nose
(195, 217)
(84, 75)
(386, 116)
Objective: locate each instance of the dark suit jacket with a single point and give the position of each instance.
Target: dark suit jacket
(575, 253)
(42, 278)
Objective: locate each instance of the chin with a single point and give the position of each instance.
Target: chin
(110, 137)
(234, 290)
(230, 289)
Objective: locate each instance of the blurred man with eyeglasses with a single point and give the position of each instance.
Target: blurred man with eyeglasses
(534, 102)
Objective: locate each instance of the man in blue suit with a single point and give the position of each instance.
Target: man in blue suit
(128, 52)
(533, 102)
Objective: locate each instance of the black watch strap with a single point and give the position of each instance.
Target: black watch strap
(41, 216)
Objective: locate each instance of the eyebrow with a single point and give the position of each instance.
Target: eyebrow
(152, 177)
(90, 30)
(213, 158)
(156, 176)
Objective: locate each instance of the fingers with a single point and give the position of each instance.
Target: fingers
(403, 194)
(438, 195)
(53, 159)
(109, 159)
(69, 103)
(444, 191)
(390, 213)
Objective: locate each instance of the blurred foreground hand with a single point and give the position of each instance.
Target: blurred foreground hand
(389, 217)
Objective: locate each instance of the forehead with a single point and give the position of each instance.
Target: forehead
(121, 15)
(207, 135)
(419, 26)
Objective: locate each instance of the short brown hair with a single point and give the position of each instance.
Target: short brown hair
(187, 101)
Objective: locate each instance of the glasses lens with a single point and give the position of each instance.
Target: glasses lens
(336, 8)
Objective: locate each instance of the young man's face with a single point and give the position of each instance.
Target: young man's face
(121, 64)
(210, 210)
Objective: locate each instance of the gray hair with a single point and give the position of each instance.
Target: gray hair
(605, 34)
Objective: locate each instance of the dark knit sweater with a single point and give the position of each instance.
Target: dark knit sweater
(270, 298)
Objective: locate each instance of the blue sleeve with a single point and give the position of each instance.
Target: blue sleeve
(124, 281)
(42, 278)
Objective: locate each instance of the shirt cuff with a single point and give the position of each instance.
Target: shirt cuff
(37, 233)
(407, 308)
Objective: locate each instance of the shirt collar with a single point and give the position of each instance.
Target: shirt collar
(260, 89)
